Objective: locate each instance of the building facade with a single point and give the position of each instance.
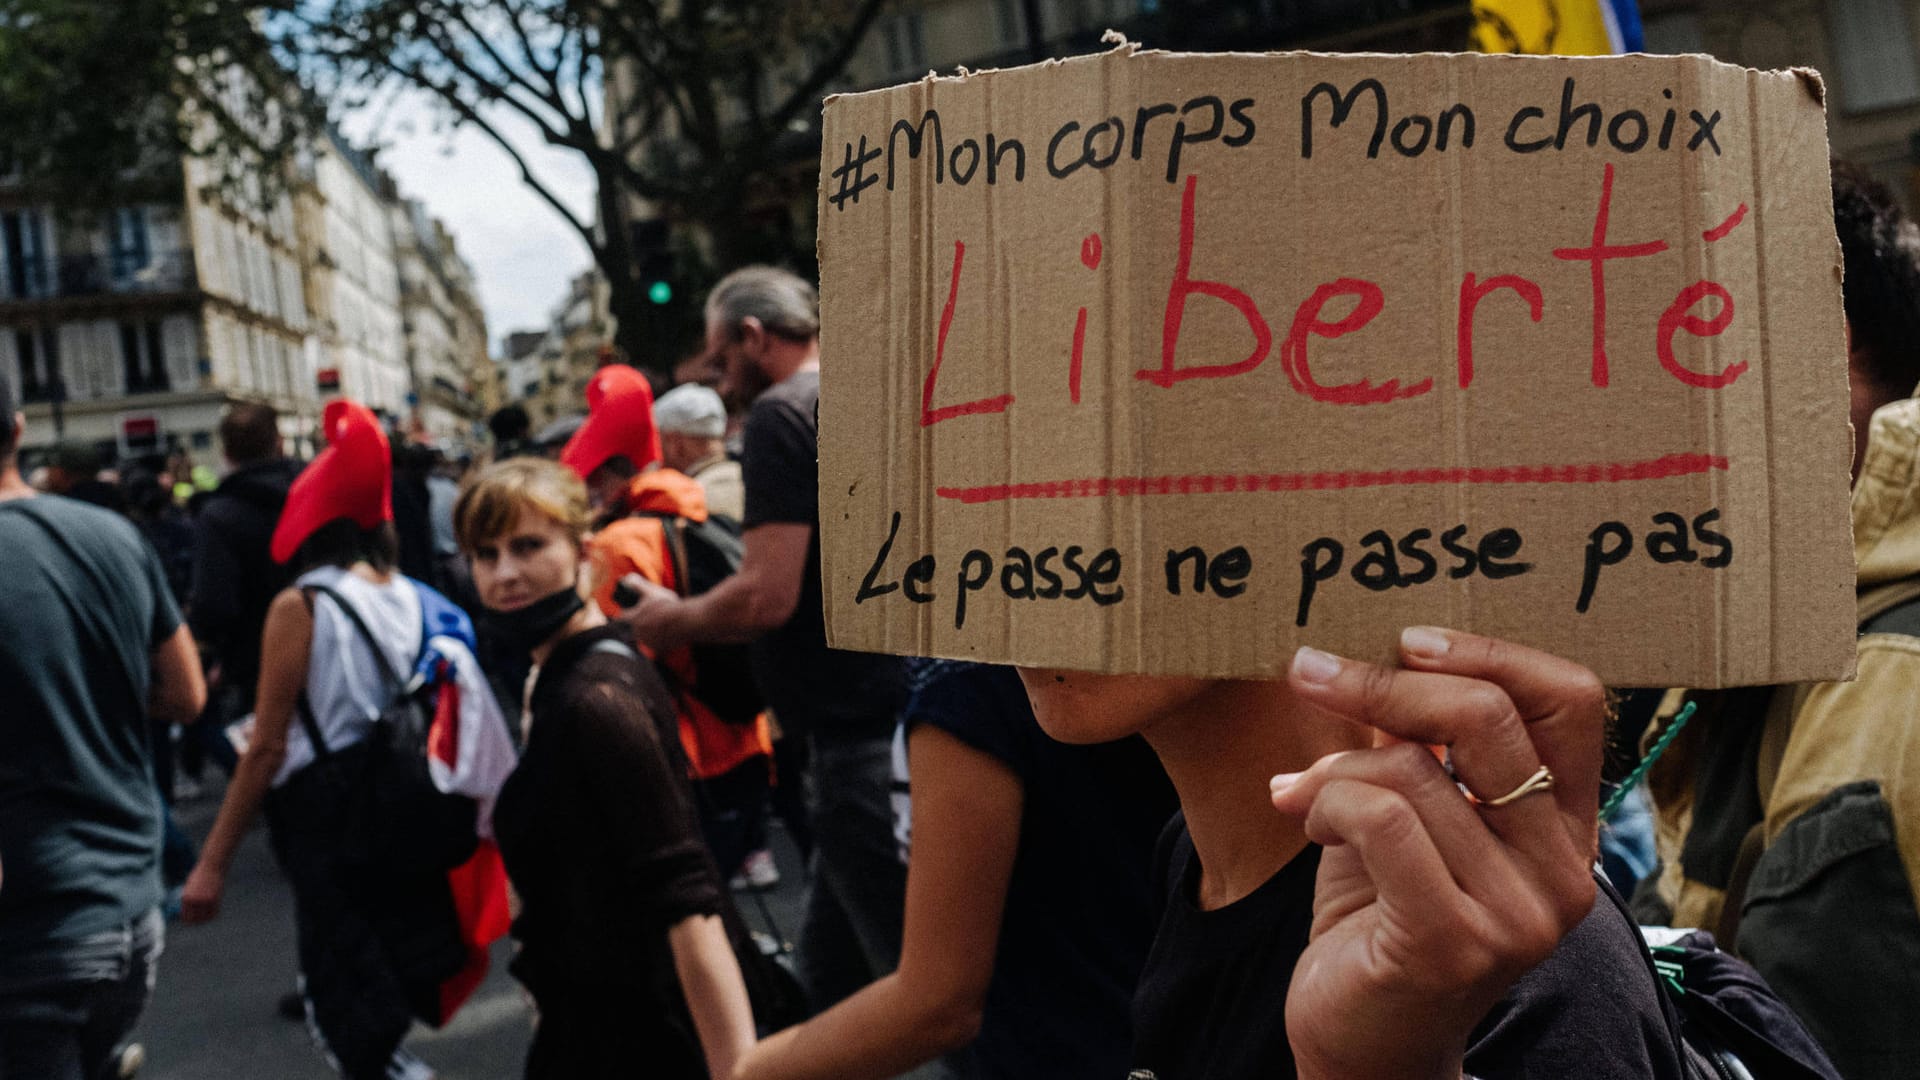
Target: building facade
(353, 284)
(1867, 52)
(132, 327)
(445, 332)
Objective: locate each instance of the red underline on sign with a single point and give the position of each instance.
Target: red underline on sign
(1614, 472)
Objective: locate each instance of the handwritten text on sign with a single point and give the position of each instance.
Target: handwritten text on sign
(1535, 347)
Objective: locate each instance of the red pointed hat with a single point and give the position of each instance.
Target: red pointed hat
(352, 478)
(619, 422)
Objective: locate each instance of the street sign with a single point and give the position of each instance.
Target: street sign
(139, 434)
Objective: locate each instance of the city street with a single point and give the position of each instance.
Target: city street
(214, 1017)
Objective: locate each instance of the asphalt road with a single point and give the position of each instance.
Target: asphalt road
(213, 1014)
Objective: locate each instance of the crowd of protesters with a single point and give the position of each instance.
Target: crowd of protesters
(586, 675)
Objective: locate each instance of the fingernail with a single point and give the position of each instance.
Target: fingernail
(1425, 641)
(1310, 665)
(1279, 785)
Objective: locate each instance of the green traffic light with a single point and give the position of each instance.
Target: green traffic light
(660, 292)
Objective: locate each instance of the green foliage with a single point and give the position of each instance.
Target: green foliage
(100, 98)
(712, 122)
(714, 126)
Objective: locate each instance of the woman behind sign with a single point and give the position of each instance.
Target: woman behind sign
(1028, 902)
(1386, 925)
(622, 941)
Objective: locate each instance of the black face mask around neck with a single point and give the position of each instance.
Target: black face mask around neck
(525, 628)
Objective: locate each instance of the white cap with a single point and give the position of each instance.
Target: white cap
(691, 409)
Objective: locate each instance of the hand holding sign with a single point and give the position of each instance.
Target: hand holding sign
(1429, 906)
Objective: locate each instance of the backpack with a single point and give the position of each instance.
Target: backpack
(394, 818)
(1726, 1021)
(703, 554)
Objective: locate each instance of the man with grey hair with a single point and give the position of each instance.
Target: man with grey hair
(692, 422)
(763, 331)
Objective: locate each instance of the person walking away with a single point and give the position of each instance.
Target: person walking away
(91, 650)
(623, 924)
(381, 941)
(234, 578)
(509, 425)
(763, 328)
(615, 452)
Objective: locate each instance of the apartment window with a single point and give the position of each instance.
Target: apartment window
(24, 233)
(38, 352)
(1873, 54)
(127, 241)
(143, 357)
(906, 43)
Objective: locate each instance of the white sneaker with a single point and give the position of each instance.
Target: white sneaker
(757, 871)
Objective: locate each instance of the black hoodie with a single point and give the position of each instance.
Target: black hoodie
(234, 579)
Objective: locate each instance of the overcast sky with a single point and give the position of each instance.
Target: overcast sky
(521, 251)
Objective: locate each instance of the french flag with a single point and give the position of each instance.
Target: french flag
(469, 753)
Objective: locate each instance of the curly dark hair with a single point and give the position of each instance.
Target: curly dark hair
(1880, 248)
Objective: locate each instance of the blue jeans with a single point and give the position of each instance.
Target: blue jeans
(66, 1012)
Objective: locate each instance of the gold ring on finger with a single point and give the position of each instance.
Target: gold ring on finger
(1541, 780)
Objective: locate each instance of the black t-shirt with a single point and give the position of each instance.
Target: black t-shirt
(83, 605)
(1212, 1000)
(234, 578)
(810, 686)
(1080, 904)
(597, 830)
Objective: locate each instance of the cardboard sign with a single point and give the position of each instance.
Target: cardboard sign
(1167, 363)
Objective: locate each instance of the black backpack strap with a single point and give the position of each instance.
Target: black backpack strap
(673, 536)
(379, 655)
(675, 533)
(311, 726)
(304, 707)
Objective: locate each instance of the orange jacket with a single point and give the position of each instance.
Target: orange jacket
(638, 544)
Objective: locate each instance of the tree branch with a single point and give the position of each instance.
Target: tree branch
(824, 72)
(471, 115)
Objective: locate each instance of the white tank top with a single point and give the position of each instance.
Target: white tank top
(345, 686)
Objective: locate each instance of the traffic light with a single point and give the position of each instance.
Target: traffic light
(653, 255)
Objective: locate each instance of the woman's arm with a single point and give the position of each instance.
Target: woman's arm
(655, 859)
(716, 995)
(966, 831)
(284, 644)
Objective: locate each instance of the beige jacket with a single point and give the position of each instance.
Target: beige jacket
(1824, 735)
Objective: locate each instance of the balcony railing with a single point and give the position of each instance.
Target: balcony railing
(167, 271)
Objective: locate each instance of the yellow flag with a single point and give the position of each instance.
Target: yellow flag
(1563, 27)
